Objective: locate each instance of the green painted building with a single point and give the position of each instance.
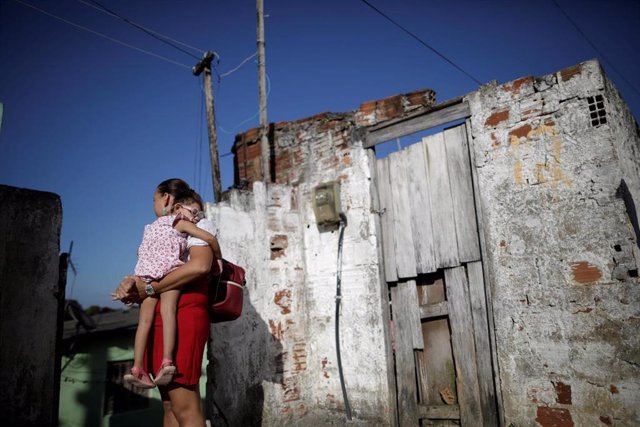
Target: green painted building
(98, 352)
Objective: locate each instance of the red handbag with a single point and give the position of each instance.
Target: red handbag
(226, 293)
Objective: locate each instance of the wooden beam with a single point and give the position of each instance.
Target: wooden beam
(432, 118)
(384, 294)
(429, 311)
(439, 412)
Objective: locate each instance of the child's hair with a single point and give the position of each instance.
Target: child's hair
(190, 197)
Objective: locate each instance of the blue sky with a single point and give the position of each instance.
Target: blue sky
(101, 124)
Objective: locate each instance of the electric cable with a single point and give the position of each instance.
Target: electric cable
(422, 42)
(343, 224)
(146, 29)
(97, 33)
(593, 46)
(143, 29)
(233, 70)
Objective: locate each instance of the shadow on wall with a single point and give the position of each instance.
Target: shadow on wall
(623, 193)
(244, 357)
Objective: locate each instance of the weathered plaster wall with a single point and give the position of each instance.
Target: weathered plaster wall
(277, 363)
(29, 249)
(561, 247)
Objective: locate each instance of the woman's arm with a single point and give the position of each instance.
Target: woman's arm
(190, 228)
(132, 288)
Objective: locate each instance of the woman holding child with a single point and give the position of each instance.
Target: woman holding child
(180, 394)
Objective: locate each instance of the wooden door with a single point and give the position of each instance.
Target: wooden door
(433, 267)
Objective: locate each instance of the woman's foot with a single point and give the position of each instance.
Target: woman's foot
(139, 378)
(166, 373)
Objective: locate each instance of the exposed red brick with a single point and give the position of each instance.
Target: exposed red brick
(276, 329)
(583, 272)
(390, 108)
(368, 107)
(496, 118)
(613, 389)
(569, 73)
(495, 142)
(516, 85)
(606, 420)
(283, 300)
(521, 132)
(553, 417)
(563, 393)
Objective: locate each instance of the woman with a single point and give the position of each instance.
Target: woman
(181, 398)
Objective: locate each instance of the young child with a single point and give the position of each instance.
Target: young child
(161, 251)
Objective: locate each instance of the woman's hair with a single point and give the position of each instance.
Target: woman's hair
(175, 187)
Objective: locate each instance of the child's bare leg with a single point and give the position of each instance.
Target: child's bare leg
(145, 322)
(168, 308)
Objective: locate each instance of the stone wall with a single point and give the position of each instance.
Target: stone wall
(30, 224)
(559, 188)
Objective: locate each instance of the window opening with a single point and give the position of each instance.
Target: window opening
(597, 112)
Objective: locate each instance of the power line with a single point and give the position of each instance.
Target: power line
(593, 46)
(82, 27)
(143, 29)
(103, 10)
(233, 70)
(422, 42)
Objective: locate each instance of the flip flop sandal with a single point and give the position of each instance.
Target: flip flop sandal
(139, 378)
(165, 374)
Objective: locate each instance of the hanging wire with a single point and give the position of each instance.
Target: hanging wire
(253, 116)
(143, 29)
(233, 70)
(422, 42)
(593, 46)
(97, 6)
(97, 33)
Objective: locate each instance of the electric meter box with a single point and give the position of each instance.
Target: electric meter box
(326, 203)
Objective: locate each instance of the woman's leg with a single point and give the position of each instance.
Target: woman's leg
(182, 406)
(168, 307)
(145, 322)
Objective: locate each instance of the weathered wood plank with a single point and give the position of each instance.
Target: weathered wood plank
(483, 349)
(442, 215)
(430, 311)
(405, 362)
(441, 412)
(408, 293)
(420, 205)
(386, 220)
(463, 344)
(414, 124)
(404, 247)
(485, 269)
(391, 401)
(438, 373)
(455, 142)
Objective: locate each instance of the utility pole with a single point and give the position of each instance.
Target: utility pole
(205, 65)
(262, 83)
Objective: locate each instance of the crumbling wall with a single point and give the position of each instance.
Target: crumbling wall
(29, 296)
(561, 246)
